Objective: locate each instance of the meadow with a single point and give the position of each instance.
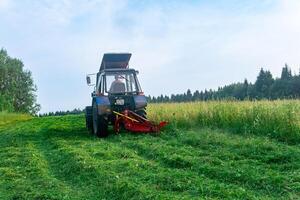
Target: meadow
(6, 118)
(209, 150)
(275, 119)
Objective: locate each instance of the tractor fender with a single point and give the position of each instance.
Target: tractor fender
(103, 104)
(140, 101)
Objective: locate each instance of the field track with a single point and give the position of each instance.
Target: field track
(56, 158)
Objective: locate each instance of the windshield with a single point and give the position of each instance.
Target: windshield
(117, 83)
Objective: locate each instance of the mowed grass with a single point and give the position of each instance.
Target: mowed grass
(56, 158)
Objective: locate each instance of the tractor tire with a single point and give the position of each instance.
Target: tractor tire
(89, 118)
(100, 124)
(142, 113)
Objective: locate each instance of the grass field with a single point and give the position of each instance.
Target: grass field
(212, 150)
(6, 118)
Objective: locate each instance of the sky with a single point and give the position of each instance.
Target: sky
(175, 45)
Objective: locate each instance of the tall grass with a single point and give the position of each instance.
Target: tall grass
(275, 119)
(6, 118)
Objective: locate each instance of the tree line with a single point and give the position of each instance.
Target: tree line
(265, 87)
(75, 111)
(17, 90)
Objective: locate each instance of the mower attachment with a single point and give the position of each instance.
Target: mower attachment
(136, 123)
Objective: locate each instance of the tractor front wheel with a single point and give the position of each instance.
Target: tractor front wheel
(100, 124)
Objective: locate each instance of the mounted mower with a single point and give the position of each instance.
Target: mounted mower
(117, 99)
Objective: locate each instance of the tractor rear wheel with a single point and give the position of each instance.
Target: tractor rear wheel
(89, 118)
(100, 124)
(142, 113)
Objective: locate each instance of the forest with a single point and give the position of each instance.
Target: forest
(287, 86)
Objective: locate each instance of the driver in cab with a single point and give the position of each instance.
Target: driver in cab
(117, 86)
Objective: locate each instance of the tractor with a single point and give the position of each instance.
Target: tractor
(117, 98)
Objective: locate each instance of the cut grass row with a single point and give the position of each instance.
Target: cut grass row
(274, 119)
(56, 158)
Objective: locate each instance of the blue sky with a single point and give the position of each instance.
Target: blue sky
(176, 45)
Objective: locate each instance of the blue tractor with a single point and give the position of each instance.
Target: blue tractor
(117, 98)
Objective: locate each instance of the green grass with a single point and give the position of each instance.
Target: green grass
(56, 158)
(275, 119)
(6, 118)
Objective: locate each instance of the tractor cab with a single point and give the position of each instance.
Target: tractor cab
(121, 88)
(118, 82)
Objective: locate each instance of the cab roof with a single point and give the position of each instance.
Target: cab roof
(115, 61)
